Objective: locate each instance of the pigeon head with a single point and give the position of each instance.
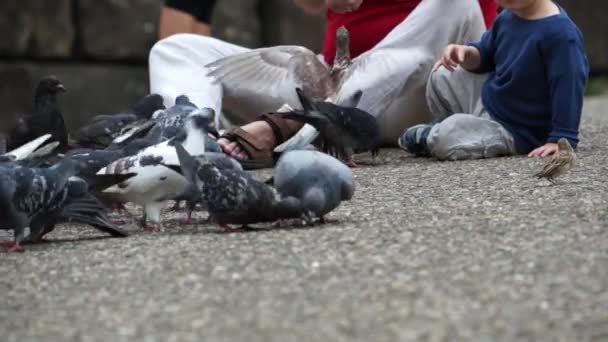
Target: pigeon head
(564, 145)
(49, 85)
(183, 100)
(208, 114)
(347, 189)
(342, 36)
(342, 58)
(145, 107)
(197, 122)
(288, 207)
(314, 199)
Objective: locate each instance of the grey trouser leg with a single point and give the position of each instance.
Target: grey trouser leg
(466, 130)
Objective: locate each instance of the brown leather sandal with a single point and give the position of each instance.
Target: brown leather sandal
(259, 157)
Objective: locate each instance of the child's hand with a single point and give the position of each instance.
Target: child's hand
(454, 55)
(545, 150)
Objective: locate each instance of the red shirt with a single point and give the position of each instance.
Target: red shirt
(375, 19)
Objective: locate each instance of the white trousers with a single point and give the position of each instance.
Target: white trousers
(177, 65)
(465, 130)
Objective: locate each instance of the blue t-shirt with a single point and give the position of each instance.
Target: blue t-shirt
(538, 73)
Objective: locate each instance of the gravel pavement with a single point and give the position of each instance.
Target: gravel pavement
(426, 251)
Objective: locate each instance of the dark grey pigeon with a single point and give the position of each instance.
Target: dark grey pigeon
(233, 196)
(318, 180)
(192, 195)
(101, 130)
(46, 117)
(77, 204)
(344, 130)
(38, 197)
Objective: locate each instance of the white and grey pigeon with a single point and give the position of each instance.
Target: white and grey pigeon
(39, 198)
(321, 182)
(233, 196)
(381, 73)
(154, 183)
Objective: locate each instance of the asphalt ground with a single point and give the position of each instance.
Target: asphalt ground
(425, 251)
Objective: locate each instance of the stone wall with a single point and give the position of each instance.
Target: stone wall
(99, 48)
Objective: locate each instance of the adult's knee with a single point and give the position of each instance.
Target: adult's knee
(182, 46)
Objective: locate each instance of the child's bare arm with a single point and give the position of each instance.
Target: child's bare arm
(454, 55)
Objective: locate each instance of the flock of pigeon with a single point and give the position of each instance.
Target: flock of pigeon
(150, 155)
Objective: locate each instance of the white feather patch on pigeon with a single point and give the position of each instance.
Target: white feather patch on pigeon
(26, 150)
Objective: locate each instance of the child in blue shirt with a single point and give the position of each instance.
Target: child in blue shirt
(518, 90)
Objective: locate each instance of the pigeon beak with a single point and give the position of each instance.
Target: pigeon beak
(61, 88)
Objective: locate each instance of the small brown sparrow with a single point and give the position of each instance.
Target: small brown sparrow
(560, 163)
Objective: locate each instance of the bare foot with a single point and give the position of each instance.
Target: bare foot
(260, 129)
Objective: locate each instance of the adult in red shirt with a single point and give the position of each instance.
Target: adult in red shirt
(374, 19)
(177, 63)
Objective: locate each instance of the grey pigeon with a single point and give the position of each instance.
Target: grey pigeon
(318, 180)
(344, 130)
(101, 130)
(171, 120)
(46, 117)
(233, 196)
(38, 198)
